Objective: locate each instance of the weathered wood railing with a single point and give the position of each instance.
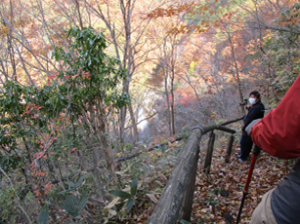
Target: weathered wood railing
(177, 198)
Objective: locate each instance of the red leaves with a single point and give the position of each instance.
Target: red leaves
(37, 192)
(86, 75)
(51, 77)
(34, 109)
(212, 117)
(38, 155)
(32, 166)
(41, 174)
(48, 188)
(67, 77)
(172, 10)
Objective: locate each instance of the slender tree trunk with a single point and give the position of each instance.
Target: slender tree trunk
(168, 104)
(172, 104)
(173, 62)
(122, 123)
(166, 75)
(236, 71)
(134, 125)
(10, 42)
(79, 15)
(126, 9)
(127, 59)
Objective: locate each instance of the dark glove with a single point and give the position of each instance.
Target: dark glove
(256, 150)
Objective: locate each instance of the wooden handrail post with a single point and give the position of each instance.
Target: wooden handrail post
(229, 149)
(177, 196)
(209, 152)
(171, 201)
(188, 199)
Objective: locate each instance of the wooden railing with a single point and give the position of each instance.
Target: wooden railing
(176, 200)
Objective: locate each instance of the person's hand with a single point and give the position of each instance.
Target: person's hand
(247, 106)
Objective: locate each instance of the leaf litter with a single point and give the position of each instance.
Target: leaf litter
(218, 195)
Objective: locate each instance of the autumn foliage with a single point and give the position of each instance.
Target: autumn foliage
(83, 82)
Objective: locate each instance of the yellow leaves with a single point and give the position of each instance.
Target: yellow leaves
(185, 29)
(112, 203)
(152, 198)
(297, 59)
(172, 144)
(3, 30)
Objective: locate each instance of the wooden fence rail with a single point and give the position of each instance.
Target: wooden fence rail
(176, 200)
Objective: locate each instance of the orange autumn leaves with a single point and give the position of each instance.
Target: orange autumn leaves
(80, 73)
(47, 189)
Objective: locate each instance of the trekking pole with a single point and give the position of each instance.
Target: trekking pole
(256, 151)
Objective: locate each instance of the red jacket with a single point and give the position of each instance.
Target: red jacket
(278, 133)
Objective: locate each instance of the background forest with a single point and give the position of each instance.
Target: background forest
(85, 83)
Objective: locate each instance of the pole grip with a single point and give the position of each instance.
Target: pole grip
(256, 150)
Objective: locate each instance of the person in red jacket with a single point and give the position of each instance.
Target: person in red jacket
(278, 134)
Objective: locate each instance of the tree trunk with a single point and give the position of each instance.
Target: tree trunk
(134, 125)
(168, 104)
(173, 62)
(128, 59)
(166, 76)
(237, 71)
(172, 106)
(10, 43)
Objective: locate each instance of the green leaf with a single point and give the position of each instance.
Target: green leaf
(162, 147)
(134, 185)
(71, 184)
(69, 206)
(66, 191)
(79, 181)
(56, 55)
(130, 204)
(83, 200)
(120, 194)
(44, 215)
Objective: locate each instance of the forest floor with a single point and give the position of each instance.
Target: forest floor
(218, 195)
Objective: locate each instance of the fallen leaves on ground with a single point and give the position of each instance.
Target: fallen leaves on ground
(218, 195)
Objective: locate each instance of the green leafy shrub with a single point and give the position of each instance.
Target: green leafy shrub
(128, 197)
(64, 121)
